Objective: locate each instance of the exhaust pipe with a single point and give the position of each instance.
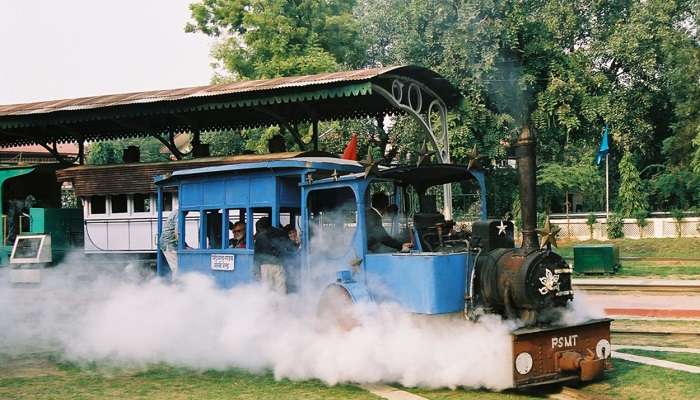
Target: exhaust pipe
(527, 167)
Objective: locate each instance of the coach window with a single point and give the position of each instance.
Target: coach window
(98, 204)
(211, 219)
(119, 204)
(142, 203)
(167, 201)
(332, 221)
(192, 224)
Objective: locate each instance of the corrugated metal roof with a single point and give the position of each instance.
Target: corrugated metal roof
(83, 103)
(233, 106)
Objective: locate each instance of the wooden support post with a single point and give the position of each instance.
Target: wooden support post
(314, 137)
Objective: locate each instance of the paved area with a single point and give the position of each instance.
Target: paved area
(645, 305)
(656, 362)
(657, 348)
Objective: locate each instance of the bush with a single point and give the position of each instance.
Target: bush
(641, 217)
(590, 221)
(615, 224)
(678, 216)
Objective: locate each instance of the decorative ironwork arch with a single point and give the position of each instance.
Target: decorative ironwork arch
(408, 95)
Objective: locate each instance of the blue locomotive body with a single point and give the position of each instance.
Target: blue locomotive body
(326, 199)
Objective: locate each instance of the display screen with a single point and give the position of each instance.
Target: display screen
(27, 247)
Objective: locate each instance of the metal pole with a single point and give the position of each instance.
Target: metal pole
(607, 188)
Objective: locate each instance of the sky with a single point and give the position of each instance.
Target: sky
(52, 49)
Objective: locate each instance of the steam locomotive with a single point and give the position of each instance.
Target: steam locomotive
(449, 271)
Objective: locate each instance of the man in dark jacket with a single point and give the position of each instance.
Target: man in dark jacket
(273, 252)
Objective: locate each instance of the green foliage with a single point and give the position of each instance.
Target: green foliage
(110, 152)
(678, 216)
(641, 217)
(502, 189)
(676, 188)
(555, 180)
(591, 221)
(695, 162)
(632, 195)
(615, 224)
(270, 38)
(566, 68)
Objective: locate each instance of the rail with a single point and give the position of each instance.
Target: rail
(636, 285)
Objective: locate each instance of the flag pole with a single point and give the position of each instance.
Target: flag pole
(607, 188)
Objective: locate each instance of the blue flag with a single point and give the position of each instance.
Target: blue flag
(604, 149)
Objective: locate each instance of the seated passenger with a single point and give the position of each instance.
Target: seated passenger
(238, 236)
(273, 250)
(292, 234)
(378, 240)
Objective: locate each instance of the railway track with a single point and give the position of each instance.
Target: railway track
(605, 285)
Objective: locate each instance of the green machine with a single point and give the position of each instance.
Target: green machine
(65, 225)
(596, 259)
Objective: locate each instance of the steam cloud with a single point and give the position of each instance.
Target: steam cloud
(118, 317)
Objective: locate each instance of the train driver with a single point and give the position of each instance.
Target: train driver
(378, 240)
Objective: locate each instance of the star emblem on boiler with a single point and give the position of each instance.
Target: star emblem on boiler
(502, 228)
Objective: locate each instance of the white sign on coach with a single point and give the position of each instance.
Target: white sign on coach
(223, 262)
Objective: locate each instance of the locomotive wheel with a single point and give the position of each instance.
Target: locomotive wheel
(335, 308)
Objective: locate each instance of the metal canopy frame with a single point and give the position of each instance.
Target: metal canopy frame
(285, 102)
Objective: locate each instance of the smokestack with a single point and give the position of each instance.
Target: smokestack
(527, 166)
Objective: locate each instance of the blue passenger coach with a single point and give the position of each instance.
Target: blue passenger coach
(326, 200)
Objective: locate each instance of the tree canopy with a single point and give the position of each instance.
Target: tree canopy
(270, 38)
(565, 68)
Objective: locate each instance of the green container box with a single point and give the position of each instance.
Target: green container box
(596, 259)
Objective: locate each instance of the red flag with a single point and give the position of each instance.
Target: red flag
(350, 152)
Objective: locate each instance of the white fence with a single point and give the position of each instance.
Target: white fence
(657, 227)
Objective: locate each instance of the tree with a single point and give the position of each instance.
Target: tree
(271, 38)
(676, 188)
(569, 67)
(632, 195)
(556, 181)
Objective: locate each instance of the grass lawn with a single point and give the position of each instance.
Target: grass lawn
(459, 394)
(683, 358)
(42, 378)
(657, 248)
(657, 270)
(666, 247)
(39, 377)
(626, 381)
(637, 381)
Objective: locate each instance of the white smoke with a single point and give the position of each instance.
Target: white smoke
(91, 313)
(580, 310)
